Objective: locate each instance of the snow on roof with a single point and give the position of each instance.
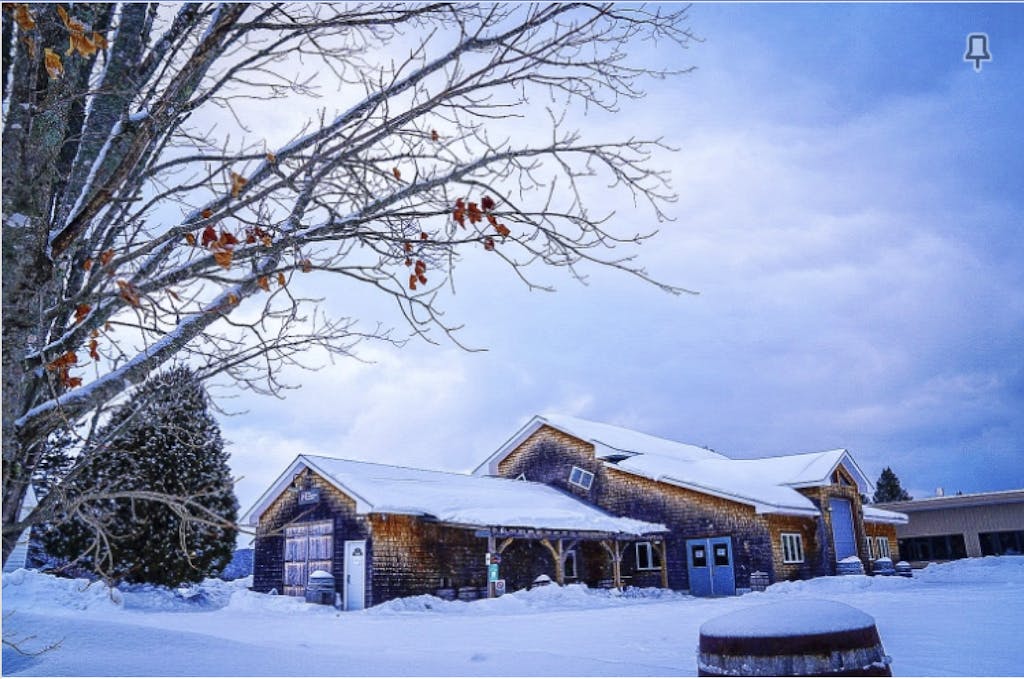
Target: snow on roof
(877, 515)
(766, 483)
(456, 498)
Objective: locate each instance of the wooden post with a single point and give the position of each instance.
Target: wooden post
(660, 546)
(504, 543)
(556, 554)
(614, 549)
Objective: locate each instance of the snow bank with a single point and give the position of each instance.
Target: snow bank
(30, 590)
(985, 570)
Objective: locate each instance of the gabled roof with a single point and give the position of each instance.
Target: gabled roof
(453, 498)
(768, 484)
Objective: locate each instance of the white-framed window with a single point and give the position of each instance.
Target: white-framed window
(581, 477)
(882, 548)
(647, 557)
(871, 548)
(570, 565)
(792, 548)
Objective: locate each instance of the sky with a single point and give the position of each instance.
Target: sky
(851, 193)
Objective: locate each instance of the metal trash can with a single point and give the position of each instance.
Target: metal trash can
(759, 581)
(792, 638)
(883, 566)
(903, 569)
(320, 588)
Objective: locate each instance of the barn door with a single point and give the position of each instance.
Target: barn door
(843, 535)
(355, 575)
(710, 566)
(307, 548)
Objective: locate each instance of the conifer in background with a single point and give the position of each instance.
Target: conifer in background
(163, 440)
(888, 488)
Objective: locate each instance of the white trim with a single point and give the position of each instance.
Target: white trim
(252, 516)
(794, 552)
(490, 465)
(882, 553)
(586, 480)
(651, 554)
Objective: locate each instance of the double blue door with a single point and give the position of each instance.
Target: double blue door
(843, 535)
(710, 565)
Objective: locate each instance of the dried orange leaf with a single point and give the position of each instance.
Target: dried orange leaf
(412, 281)
(30, 44)
(209, 236)
(434, 136)
(408, 247)
(280, 279)
(263, 283)
(397, 173)
(232, 299)
(87, 264)
(487, 203)
(266, 240)
(488, 243)
(502, 230)
(423, 235)
(72, 382)
(54, 67)
(238, 182)
(306, 265)
(271, 158)
(24, 17)
(207, 213)
(474, 213)
(223, 258)
(422, 279)
(100, 41)
(173, 295)
(106, 257)
(190, 239)
(94, 353)
(81, 311)
(129, 293)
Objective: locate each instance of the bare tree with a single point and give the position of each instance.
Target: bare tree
(136, 233)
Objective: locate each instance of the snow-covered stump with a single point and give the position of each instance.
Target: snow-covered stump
(883, 566)
(903, 568)
(792, 639)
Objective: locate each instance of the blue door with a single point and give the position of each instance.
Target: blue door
(710, 566)
(842, 528)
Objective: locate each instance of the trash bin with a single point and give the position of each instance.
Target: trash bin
(851, 565)
(792, 638)
(883, 566)
(320, 588)
(903, 568)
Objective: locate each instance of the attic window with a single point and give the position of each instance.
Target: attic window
(581, 477)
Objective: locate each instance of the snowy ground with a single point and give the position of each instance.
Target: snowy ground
(956, 619)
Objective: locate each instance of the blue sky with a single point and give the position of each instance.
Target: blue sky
(850, 209)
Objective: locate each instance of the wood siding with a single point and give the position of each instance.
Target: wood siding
(807, 529)
(268, 555)
(887, 530)
(549, 455)
(820, 496)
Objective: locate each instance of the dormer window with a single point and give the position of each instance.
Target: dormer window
(581, 477)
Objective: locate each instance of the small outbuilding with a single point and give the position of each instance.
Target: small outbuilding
(385, 532)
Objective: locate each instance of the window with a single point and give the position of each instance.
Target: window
(581, 477)
(699, 556)
(307, 548)
(1002, 542)
(933, 547)
(647, 557)
(881, 547)
(871, 548)
(570, 564)
(792, 548)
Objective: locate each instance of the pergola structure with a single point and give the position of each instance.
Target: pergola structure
(560, 542)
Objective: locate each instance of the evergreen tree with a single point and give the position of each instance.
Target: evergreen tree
(163, 440)
(888, 488)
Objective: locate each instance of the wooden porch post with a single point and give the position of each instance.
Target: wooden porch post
(490, 550)
(614, 550)
(556, 553)
(663, 551)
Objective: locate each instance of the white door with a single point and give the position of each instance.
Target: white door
(355, 575)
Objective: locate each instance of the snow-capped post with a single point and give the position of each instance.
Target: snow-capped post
(792, 638)
(139, 230)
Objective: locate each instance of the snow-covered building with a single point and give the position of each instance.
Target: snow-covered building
(793, 516)
(575, 500)
(384, 532)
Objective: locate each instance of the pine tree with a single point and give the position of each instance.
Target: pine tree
(163, 440)
(888, 488)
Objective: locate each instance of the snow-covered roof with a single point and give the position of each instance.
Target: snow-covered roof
(454, 498)
(768, 484)
(878, 515)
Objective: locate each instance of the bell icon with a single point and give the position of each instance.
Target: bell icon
(977, 49)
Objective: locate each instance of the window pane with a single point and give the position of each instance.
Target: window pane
(700, 556)
(721, 555)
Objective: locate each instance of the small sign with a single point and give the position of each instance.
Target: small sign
(499, 587)
(309, 497)
(492, 572)
(487, 559)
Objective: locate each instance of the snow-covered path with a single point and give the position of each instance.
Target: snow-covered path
(956, 619)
